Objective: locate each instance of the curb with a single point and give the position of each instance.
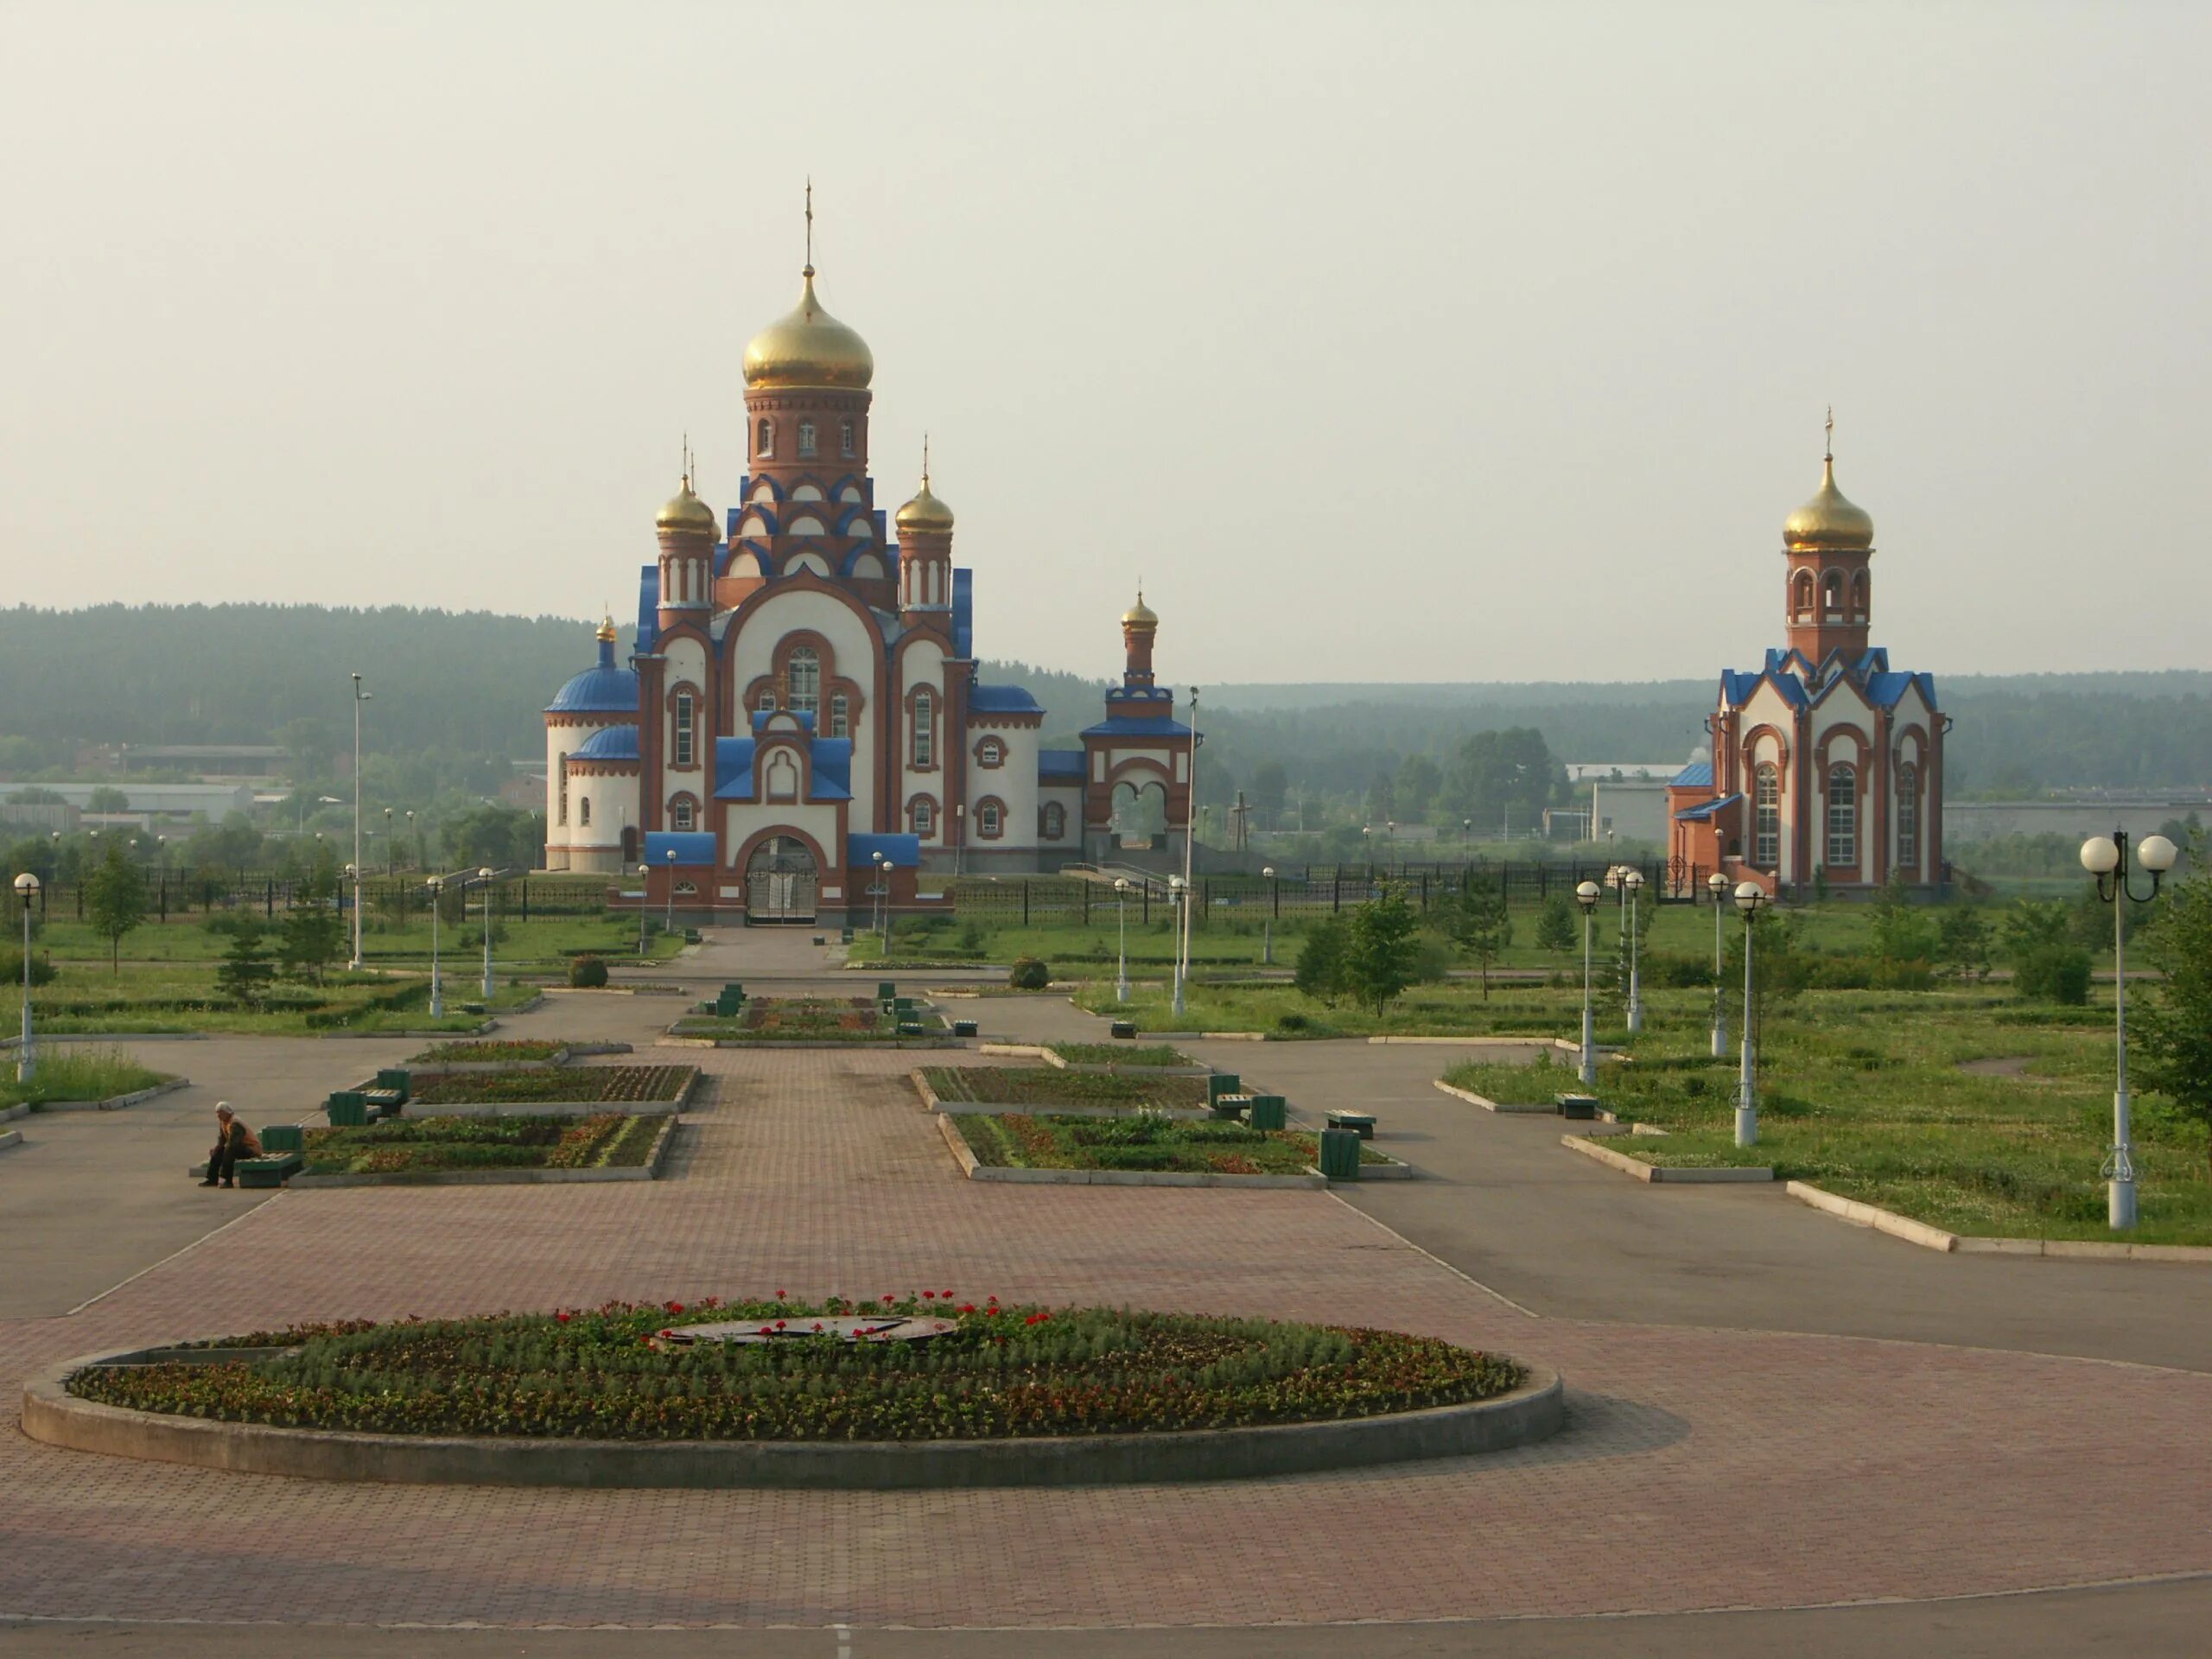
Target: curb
(10, 1138)
(1534, 1411)
(1474, 1099)
(116, 1103)
(21, 1109)
(1670, 1175)
(1930, 1238)
(648, 1171)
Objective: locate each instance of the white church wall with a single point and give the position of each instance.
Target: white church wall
(923, 665)
(752, 657)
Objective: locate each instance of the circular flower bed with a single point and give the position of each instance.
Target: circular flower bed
(998, 1373)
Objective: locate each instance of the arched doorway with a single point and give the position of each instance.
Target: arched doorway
(780, 878)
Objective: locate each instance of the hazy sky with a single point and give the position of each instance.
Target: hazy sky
(1385, 342)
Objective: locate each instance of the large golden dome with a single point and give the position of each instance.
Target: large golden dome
(1140, 616)
(926, 512)
(809, 348)
(1828, 522)
(685, 512)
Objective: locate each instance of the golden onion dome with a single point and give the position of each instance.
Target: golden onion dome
(1140, 616)
(1829, 522)
(684, 513)
(809, 348)
(926, 512)
(607, 629)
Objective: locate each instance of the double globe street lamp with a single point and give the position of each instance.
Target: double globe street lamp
(26, 891)
(1178, 899)
(1122, 921)
(1629, 880)
(1750, 897)
(1717, 885)
(484, 876)
(2106, 858)
(1587, 895)
(437, 886)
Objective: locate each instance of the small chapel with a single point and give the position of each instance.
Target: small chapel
(1828, 764)
(798, 733)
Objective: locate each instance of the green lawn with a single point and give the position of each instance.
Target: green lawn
(1865, 1093)
(540, 945)
(1453, 1008)
(1131, 1055)
(1021, 1141)
(73, 1071)
(180, 996)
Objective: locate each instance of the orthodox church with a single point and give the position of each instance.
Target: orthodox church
(1825, 760)
(799, 731)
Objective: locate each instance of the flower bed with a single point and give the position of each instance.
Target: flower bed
(612, 1083)
(802, 1020)
(423, 1145)
(1048, 1086)
(999, 1373)
(528, 1048)
(1123, 1054)
(1141, 1142)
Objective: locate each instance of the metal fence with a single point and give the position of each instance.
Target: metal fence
(519, 895)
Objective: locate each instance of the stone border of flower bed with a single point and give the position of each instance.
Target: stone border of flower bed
(1930, 1238)
(648, 1171)
(10, 1138)
(930, 1103)
(1534, 1411)
(543, 1108)
(1052, 1057)
(1489, 1105)
(976, 1170)
(1672, 1174)
(112, 1104)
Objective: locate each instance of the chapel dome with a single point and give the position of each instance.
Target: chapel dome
(926, 512)
(1140, 616)
(1829, 522)
(602, 689)
(685, 512)
(809, 348)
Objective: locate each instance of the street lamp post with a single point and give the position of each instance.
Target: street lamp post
(1632, 883)
(1587, 895)
(484, 876)
(1717, 885)
(437, 989)
(360, 697)
(669, 924)
(1189, 844)
(2107, 860)
(878, 892)
(26, 1061)
(1179, 892)
(353, 881)
(644, 874)
(1267, 927)
(1122, 921)
(390, 846)
(1749, 897)
(413, 847)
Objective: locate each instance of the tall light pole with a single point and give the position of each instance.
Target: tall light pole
(1267, 927)
(1632, 884)
(2107, 861)
(1120, 914)
(1717, 885)
(413, 847)
(879, 891)
(484, 876)
(390, 846)
(353, 881)
(644, 874)
(1587, 895)
(437, 991)
(359, 697)
(26, 1061)
(1189, 842)
(1178, 900)
(1749, 897)
(669, 924)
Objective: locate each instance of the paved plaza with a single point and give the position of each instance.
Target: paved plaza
(1785, 1434)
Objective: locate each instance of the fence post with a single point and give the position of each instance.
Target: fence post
(269, 899)
(1024, 903)
(162, 887)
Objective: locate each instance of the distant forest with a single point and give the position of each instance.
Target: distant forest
(472, 684)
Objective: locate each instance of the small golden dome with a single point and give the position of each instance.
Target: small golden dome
(1828, 522)
(809, 348)
(926, 512)
(684, 513)
(607, 629)
(1140, 616)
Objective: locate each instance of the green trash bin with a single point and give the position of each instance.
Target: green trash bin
(399, 1080)
(886, 991)
(1340, 1155)
(1267, 1112)
(283, 1137)
(347, 1109)
(1222, 1083)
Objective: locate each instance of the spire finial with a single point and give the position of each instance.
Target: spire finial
(925, 461)
(1829, 455)
(687, 461)
(809, 225)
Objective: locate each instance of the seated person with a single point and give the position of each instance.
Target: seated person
(233, 1141)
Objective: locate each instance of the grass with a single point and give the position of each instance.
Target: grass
(998, 1373)
(1130, 1055)
(427, 1145)
(1048, 1086)
(541, 944)
(1449, 1008)
(1019, 1141)
(528, 1048)
(1863, 1093)
(182, 996)
(527, 1084)
(73, 1071)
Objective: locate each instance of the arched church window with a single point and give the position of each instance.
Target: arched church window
(806, 440)
(1766, 817)
(679, 813)
(1834, 589)
(925, 818)
(1054, 821)
(686, 729)
(1909, 817)
(767, 704)
(1859, 596)
(989, 819)
(1843, 816)
(990, 753)
(841, 716)
(1804, 592)
(925, 728)
(803, 680)
(845, 439)
(583, 811)
(562, 766)
(764, 440)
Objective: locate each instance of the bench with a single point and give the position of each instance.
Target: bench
(1577, 1106)
(964, 1028)
(1360, 1123)
(1124, 1029)
(271, 1171)
(383, 1102)
(1230, 1106)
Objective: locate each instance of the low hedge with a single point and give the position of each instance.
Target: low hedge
(1001, 1373)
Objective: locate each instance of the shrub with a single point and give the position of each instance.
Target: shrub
(1029, 974)
(2053, 973)
(587, 973)
(12, 967)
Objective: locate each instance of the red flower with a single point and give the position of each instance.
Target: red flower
(927, 1294)
(766, 1331)
(817, 1325)
(888, 1300)
(561, 1317)
(779, 1325)
(675, 1307)
(781, 1295)
(993, 1300)
(967, 1308)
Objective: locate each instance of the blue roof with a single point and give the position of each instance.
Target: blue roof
(602, 689)
(692, 847)
(1060, 766)
(963, 614)
(1705, 810)
(1138, 725)
(734, 768)
(900, 852)
(648, 608)
(1003, 700)
(608, 743)
(1698, 774)
(762, 716)
(833, 769)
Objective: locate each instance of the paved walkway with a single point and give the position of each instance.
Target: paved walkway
(1702, 1468)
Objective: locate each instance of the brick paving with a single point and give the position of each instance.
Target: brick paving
(1700, 1469)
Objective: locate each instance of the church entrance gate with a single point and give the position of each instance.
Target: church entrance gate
(780, 878)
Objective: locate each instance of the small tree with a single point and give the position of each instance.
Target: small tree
(1962, 941)
(243, 976)
(2173, 1022)
(2046, 964)
(314, 935)
(1481, 923)
(1382, 956)
(1555, 925)
(1320, 973)
(115, 901)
